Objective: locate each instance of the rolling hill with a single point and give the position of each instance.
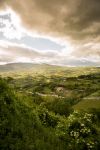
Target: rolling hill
(30, 68)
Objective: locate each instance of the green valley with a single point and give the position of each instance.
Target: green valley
(56, 110)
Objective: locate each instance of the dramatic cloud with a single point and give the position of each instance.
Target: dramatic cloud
(75, 21)
(65, 17)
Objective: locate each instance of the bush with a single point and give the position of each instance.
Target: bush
(59, 106)
(80, 129)
(47, 118)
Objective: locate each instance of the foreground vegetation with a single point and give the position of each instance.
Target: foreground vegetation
(54, 112)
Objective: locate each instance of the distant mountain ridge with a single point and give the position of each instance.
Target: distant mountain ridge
(25, 66)
(20, 69)
(15, 67)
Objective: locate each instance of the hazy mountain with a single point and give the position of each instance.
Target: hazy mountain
(26, 66)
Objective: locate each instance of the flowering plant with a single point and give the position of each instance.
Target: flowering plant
(79, 128)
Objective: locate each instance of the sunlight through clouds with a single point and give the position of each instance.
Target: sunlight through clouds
(16, 40)
(10, 23)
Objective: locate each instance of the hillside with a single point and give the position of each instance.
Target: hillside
(91, 101)
(20, 126)
(25, 124)
(16, 69)
(52, 110)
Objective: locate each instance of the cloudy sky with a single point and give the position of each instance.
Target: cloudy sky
(61, 32)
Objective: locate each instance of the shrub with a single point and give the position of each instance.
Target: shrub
(81, 131)
(59, 106)
(47, 118)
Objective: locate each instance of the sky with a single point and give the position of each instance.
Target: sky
(56, 32)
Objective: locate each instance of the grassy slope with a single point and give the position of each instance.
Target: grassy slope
(92, 101)
(87, 104)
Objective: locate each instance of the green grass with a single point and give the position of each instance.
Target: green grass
(87, 104)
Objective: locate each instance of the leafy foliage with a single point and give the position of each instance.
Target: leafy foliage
(80, 129)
